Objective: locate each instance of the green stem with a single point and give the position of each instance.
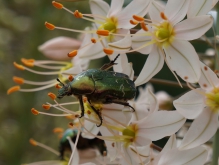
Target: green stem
(215, 149)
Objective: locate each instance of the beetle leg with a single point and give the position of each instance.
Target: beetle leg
(97, 112)
(121, 103)
(109, 65)
(82, 106)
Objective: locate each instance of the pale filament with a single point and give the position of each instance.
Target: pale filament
(39, 83)
(71, 143)
(38, 89)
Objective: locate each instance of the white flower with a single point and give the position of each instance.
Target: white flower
(201, 105)
(168, 40)
(58, 48)
(200, 7)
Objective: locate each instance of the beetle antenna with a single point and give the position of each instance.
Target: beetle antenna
(60, 82)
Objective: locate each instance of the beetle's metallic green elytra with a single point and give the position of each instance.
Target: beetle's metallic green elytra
(100, 86)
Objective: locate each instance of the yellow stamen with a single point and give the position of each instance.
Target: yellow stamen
(70, 78)
(138, 18)
(34, 111)
(18, 80)
(49, 26)
(20, 67)
(33, 142)
(57, 5)
(46, 106)
(108, 51)
(163, 16)
(73, 53)
(77, 14)
(133, 22)
(103, 32)
(52, 95)
(143, 26)
(13, 89)
(58, 130)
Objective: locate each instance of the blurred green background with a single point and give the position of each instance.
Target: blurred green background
(22, 30)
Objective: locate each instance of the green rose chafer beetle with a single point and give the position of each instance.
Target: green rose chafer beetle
(100, 86)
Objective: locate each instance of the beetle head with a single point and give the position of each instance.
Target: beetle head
(65, 90)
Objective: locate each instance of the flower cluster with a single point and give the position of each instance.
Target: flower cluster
(123, 127)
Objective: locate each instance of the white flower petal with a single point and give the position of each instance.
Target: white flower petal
(160, 124)
(112, 147)
(91, 127)
(122, 45)
(191, 104)
(115, 7)
(193, 28)
(155, 9)
(99, 7)
(152, 66)
(131, 153)
(142, 140)
(195, 156)
(171, 144)
(116, 112)
(136, 7)
(208, 78)
(72, 71)
(201, 130)
(183, 59)
(93, 51)
(176, 10)
(58, 48)
(140, 40)
(199, 7)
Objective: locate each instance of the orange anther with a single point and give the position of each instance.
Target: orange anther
(133, 22)
(93, 40)
(143, 26)
(33, 142)
(163, 16)
(26, 62)
(73, 53)
(34, 111)
(84, 99)
(216, 71)
(46, 106)
(103, 32)
(18, 80)
(57, 5)
(52, 95)
(49, 26)
(70, 78)
(58, 86)
(13, 89)
(186, 77)
(21, 67)
(71, 124)
(77, 14)
(205, 68)
(108, 51)
(138, 18)
(58, 130)
(70, 117)
(77, 116)
(104, 153)
(88, 112)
